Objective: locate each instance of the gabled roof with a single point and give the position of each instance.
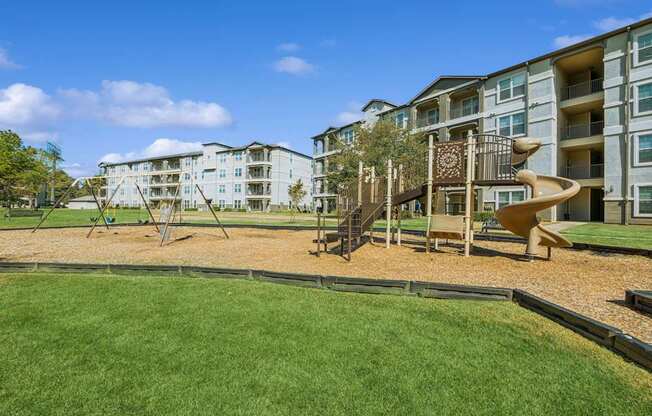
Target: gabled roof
(376, 100)
(442, 78)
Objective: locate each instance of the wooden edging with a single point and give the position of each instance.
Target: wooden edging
(639, 299)
(605, 335)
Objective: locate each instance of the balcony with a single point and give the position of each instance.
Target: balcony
(163, 195)
(425, 120)
(165, 167)
(582, 89)
(579, 131)
(259, 157)
(464, 109)
(592, 171)
(259, 193)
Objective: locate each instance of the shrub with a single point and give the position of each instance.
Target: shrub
(483, 216)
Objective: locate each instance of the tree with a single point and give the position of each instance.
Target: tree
(374, 147)
(15, 160)
(296, 192)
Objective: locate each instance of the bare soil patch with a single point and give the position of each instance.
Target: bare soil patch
(588, 282)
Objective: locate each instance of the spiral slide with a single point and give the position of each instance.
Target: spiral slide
(521, 218)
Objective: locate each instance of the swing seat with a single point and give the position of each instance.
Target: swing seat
(449, 227)
(110, 220)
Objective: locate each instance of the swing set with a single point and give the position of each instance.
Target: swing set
(168, 214)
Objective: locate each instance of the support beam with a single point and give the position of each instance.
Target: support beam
(97, 203)
(108, 202)
(390, 174)
(210, 207)
(429, 192)
(172, 214)
(149, 211)
(470, 168)
(56, 204)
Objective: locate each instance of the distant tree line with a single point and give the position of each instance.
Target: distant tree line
(25, 173)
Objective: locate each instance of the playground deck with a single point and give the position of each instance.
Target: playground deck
(587, 282)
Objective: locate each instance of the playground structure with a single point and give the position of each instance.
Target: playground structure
(480, 160)
(170, 213)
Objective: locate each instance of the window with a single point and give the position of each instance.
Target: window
(221, 189)
(238, 155)
(222, 173)
(223, 157)
(644, 98)
(186, 189)
(643, 200)
(290, 173)
(237, 188)
(347, 136)
(508, 197)
(433, 116)
(237, 204)
(470, 106)
(238, 172)
(187, 161)
(511, 87)
(186, 176)
(512, 125)
(643, 51)
(400, 120)
(643, 149)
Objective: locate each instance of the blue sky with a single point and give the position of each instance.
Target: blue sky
(112, 80)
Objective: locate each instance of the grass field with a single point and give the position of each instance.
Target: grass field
(636, 236)
(98, 344)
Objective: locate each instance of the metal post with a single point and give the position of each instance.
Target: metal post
(149, 211)
(373, 200)
(359, 202)
(429, 193)
(388, 229)
(55, 204)
(108, 202)
(99, 207)
(400, 190)
(349, 238)
(212, 211)
(470, 159)
(318, 233)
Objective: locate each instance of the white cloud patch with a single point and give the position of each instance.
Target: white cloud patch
(6, 62)
(351, 114)
(29, 111)
(77, 170)
(567, 40)
(288, 47)
(160, 147)
(293, 65)
(133, 104)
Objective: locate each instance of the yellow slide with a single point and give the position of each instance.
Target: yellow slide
(521, 217)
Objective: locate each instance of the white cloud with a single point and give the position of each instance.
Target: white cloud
(6, 62)
(133, 104)
(288, 47)
(351, 114)
(293, 65)
(77, 169)
(160, 147)
(567, 40)
(22, 104)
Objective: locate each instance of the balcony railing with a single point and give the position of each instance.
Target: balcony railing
(258, 158)
(582, 130)
(259, 192)
(458, 111)
(426, 120)
(581, 89)
(594, 170)
(258, 176)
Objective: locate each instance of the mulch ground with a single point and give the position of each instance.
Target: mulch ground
(587, 282)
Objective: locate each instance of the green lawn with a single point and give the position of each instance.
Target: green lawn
(97, 344)
(68, 217)
(636, 236)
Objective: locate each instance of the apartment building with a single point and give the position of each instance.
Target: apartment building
(590, 104)
(254, 177)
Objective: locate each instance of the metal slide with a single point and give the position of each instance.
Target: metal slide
(521, 218)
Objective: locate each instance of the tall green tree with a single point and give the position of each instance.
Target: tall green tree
(15, 160)
(374, 147)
